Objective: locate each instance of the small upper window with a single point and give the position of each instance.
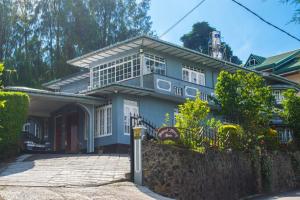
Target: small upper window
(193, 75)
(252, 62)
(155, 64)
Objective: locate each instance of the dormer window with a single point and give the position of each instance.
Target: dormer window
(252, 62)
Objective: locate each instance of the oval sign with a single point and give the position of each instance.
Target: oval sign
(168, 133)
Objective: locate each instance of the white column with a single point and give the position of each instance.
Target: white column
(138, 167)
(142, 65)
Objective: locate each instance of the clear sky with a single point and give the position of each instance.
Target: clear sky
(241, 30)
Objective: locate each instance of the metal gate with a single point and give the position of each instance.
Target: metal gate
(150, 132)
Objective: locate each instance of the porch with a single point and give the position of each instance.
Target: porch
(62, 122)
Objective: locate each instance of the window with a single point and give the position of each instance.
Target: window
(103, 121)
(193, 75)
(278, 96)
(130, 108)
(26, 127)
(155, 64)
(115, 71)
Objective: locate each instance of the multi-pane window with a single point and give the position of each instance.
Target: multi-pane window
(278, 95)
(193, 75)
(103, 121)
(155, 64)
(285, 135)
(130, 108)
(115, 71)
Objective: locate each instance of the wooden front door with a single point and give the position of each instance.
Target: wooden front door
(72, 143)
(58, 133)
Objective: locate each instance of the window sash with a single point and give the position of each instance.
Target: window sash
(130, 107)
(118, 70)
(103, 121)
(197, 77)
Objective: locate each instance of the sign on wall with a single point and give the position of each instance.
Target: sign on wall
(168, 133)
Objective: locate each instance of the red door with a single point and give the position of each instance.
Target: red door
(58, 132)
(72, 133)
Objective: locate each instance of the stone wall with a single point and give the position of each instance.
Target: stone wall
(184, 174)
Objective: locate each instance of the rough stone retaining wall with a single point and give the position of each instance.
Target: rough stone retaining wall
(184, 174)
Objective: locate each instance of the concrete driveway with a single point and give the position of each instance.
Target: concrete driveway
(65, 170)
(68, 177)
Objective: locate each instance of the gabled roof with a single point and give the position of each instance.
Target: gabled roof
(274, 62)
(259, 59)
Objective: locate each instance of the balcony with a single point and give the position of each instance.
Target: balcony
(171, 86)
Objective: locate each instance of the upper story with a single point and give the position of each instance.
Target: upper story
(148, 66)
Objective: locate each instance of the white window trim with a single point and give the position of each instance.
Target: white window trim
(130, 104)
(148, 55)
(199, 73)
(113, 66)
(188, 87)
(97, 122)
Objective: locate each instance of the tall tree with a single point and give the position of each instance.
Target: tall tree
(37, 37)
(198, 39)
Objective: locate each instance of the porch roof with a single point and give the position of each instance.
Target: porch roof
(43, 102)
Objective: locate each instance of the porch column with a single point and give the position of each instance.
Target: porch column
(90, 141)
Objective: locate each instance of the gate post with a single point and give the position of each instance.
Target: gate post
(139, 132)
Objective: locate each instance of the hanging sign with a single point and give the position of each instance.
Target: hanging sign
(168, 133)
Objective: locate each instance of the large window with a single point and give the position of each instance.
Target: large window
(193, 75)
(130, 108)
(117, 70)
(103, 121)
(155, 64)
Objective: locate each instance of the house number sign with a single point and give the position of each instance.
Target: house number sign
(168, 133)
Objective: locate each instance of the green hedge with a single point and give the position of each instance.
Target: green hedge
(12, 118)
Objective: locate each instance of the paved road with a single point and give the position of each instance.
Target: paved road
(68, 177)
(65, 170)
(282, 196)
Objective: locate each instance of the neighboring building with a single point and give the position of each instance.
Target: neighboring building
(286, 65)
(143, 75)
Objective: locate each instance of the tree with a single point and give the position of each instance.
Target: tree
(296, 17)
(291, 112)
(37, 37)
(198, 39)
(245, 99)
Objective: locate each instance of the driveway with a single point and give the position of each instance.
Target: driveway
(65, 170)
(68, 177)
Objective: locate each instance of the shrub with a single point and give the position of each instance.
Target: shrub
(269, 139)
(230, 137)
(12, 117)
(190, 121)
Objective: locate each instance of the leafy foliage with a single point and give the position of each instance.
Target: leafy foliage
(191, 121)
(198, 39)
(12, 117)
(37, 37)
(296, 17)
(231, 137)
(291, 112)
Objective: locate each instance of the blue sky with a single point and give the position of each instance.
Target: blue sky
(241, 30)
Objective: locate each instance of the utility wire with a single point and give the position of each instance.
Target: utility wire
(269, 23)
(194, 8)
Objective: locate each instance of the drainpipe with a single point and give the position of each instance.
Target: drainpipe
(142, 68)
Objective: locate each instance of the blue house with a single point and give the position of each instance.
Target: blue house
(89, 111)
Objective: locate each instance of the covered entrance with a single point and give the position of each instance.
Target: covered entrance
(69, 117)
